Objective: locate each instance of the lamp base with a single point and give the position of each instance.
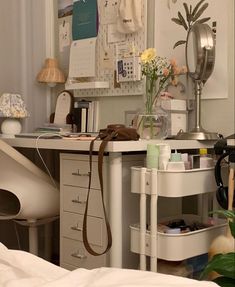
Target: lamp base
(10, 127)
(197, 134)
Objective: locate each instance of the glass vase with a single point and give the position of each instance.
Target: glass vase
(153, 126)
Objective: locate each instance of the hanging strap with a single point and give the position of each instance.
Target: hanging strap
(100, 172)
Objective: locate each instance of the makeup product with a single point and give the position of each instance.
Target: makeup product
(176, 156)
(194, 160)
(152, 156)
(164, 156)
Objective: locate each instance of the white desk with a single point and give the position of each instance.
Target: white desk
(115, 150)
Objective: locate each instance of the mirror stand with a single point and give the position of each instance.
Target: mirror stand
(197, 133)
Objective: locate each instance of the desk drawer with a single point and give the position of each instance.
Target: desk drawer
(74, 253)
(76, 173)
(74, 200)
(71, 227)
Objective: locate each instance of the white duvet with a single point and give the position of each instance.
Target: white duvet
(22, 269)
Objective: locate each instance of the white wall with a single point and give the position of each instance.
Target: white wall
(216, 115)
(219, 115)
(22, 52)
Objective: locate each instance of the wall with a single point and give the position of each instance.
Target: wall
(219, 115)
(22, 30)
(216, 115)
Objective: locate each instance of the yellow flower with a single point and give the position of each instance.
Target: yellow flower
(148, 55)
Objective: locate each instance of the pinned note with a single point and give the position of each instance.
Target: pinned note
(82, 58)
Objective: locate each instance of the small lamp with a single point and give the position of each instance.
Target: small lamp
(12, 107)
(50, 73)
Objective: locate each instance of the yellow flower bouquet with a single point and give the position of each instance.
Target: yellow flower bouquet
(158, 72)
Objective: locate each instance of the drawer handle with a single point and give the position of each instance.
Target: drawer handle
(78, 201)
(81, 174)
(79, 256)
(76, 228)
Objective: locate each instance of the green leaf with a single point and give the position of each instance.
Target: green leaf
(182, 21)
(224, 264)
(196, 7)
(203, 20)
(200, 11)
(181, 42)
(224, 281)
(177, 21)
(232, 228)
(225, 213)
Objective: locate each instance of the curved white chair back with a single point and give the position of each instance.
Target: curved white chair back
(26, 192)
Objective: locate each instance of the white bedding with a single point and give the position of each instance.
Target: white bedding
(22, 269)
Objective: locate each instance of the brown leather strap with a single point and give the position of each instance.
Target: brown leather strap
(100, 172)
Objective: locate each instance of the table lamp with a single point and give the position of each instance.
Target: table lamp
(50, 73)
(12, 108)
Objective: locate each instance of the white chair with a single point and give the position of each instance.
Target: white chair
(27, 194)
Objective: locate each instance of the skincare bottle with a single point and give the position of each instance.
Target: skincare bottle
(206, 161)
(164, 156)
(152, 156)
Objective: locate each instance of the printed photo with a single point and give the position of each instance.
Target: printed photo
(65, 8)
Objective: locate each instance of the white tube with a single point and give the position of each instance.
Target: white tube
(142, 219)
(115, 172)
(153, 220)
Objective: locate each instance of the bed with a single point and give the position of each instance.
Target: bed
(22, 269)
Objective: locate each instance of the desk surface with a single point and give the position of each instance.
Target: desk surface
(114, 146)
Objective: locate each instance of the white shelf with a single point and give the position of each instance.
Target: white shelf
(176, 183)
(87, 85)
(177, 247)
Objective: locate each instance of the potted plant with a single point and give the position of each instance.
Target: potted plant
(224, 263)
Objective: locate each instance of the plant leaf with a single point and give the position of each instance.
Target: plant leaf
(182, 21)
(188, 15)
(203, 20)
(190, 9)
(196, 7)
(177, 21)
(225, 213)
(200, 11)
(181, 42)
(224, 281)
(224, 264)
(232, 228)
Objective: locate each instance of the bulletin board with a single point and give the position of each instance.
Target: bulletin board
(105, 72)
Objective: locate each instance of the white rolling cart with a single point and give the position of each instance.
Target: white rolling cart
(172, 247)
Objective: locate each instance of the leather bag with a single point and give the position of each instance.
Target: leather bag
(113, 132)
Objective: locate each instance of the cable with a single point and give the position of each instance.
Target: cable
(37, 149)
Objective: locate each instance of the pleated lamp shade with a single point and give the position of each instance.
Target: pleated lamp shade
(50, 73)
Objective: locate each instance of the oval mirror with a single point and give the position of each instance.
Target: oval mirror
(200, 52)
(200, 59)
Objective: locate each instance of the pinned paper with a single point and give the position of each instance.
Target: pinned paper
(113, 35)
(82, 58)
(109, 10)
(85, 19)
(64, 35)
(107, 59)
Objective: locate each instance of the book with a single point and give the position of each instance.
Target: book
(86, 116)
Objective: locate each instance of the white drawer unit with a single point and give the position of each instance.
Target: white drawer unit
(74, 179)
(76, 172)
(72, 228)
(74, 200)
(75, 255)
